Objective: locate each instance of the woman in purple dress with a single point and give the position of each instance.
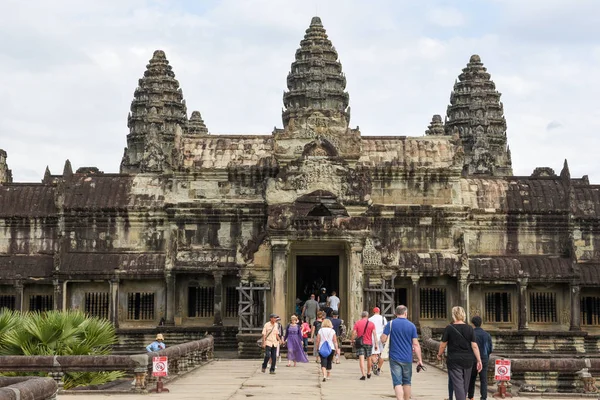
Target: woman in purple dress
(293, 338)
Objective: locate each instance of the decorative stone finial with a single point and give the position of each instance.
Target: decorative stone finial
(67, 170)
(159, 55)
(196, 124)
(475, 59)
(436, 127)
(316, 21)
(565, 173)
(316, 81)
(476, 112)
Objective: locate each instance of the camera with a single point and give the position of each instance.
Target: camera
(421, 368)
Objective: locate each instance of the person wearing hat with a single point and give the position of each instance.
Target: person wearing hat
(158, 344)
(270, 341)
(380, 323)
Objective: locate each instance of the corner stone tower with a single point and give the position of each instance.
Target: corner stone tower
(477, 114)
(5, 173)
(316, 103)
(157, 119)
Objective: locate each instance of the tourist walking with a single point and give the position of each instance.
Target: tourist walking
(270, 340)
(380, 322)
(158, 344)
(364, 331)
(305, 327)
(315, 331)
(322, 298)
(484, 343)
(293, 339)
(311, 306)
(337, 323)
(327, 346)
(334, 301)
(463, 352)
(401, 337)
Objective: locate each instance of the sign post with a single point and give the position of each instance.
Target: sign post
(160, 368)
(502, 375)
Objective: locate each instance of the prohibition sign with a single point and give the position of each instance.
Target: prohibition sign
(502, 370)
(159, 366)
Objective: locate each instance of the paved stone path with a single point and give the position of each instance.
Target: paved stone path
(242, 379)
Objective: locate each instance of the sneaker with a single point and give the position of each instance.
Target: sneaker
(263, 370)
(368, 376)
(272, 372)
(324, 379)
(362, 378)
(376, 372)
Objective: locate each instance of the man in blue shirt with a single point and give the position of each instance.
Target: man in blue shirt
(484, 342)
(403, 338)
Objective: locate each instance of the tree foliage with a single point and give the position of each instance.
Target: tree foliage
(62, 333)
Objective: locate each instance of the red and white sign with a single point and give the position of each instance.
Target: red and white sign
(160, 366)
(502, 370)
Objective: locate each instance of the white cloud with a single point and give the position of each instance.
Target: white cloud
(69, 70)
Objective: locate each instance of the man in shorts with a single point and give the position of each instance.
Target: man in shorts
(380, 322)
(403, 338)
(366, 329)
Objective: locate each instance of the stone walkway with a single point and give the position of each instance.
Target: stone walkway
(242, 379)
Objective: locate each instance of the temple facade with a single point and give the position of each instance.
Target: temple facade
(207, 231)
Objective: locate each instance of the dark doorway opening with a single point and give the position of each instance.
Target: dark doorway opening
(316, 272)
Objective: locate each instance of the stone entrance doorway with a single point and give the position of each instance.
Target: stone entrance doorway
(316, 272)
(311, 263)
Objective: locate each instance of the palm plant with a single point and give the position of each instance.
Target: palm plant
(59, 333)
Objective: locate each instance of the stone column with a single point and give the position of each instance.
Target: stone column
(523, 325)
(114, 301)
(19, 296)
(575, 307)
(218, 317)
(170, 298)
(463, 284)
(279, 250)
(58, 295)
(416, 300)
(356, 283)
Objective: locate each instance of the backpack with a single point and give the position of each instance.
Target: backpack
(325, 350)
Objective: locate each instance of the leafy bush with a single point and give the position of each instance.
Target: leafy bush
(65, 333)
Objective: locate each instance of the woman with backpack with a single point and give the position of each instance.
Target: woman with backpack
(327, 346)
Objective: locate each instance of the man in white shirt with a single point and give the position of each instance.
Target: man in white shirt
(334, 301)
(380, 323)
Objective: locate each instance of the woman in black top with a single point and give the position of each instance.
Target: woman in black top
(462, 352)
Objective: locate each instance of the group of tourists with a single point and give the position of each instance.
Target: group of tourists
(468, 348)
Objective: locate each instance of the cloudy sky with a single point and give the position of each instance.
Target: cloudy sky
(68, 70)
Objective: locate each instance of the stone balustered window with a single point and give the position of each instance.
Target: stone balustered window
(433, 303)
(201, 302)
(498, 307)
(590, 310)
(231, 302)
(41, 302)
(140, 306)
(7, 301)
(96, 304)
(542, 307)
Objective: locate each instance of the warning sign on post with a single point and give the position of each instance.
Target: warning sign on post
(160, 366)
(502, 370)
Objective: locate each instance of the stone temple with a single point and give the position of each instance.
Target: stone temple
(201, 232)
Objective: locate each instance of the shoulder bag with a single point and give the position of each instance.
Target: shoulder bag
(359, 342)
(385, 352)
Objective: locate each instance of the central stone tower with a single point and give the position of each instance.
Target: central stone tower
(316, 114)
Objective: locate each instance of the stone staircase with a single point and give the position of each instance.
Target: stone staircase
(135, 341)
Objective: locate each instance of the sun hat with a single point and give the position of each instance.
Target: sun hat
(160, 337)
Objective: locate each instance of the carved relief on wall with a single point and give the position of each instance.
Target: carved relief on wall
(371, 256)
(473, 310)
